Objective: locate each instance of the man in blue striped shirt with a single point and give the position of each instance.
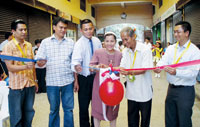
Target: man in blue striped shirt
(56, 52)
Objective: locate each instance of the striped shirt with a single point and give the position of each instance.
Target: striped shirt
(58, 55)
(20, 79)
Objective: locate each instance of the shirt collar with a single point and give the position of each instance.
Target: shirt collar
(24, 43)
(137, 48)
(86, 39)
(185, 45)
(53, 37)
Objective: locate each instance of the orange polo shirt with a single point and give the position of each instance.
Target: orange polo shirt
(20, 79)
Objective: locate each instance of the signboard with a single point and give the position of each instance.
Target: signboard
(169, 12)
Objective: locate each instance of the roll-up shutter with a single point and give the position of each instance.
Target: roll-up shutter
(10, 11)
(163, 35)
(39, 25)
(176, 18)
(192, 15)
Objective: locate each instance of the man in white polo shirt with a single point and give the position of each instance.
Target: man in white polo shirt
(139, 83)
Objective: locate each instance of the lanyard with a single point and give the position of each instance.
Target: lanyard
(132, 77)
(133, 59)
(20, 49)
(175, 62)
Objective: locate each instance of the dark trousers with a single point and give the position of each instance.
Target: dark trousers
(21, 107)
(178, 106)
(84, 98)
(41, 74)
(134, 111)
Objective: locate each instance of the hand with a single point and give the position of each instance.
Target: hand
(170, 70)
(102, 66)
(36, 87)
(41, 63)
(76, 86)
(157, 70)
(78, 68)
(29, 65)
(123, 71)
(92, 68)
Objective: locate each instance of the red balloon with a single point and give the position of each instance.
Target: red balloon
(111, 92)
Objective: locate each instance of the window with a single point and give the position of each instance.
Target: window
(154, 11)
(93, 11)
(83, 5)
(71, 34)
(160, 3)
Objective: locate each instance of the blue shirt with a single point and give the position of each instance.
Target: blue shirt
(82, 53)
(3, 44)
(184, 75)
(58, 55)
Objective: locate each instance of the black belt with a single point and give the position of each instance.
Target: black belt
(175, 86)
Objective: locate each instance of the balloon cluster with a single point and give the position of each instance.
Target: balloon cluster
(111, 92)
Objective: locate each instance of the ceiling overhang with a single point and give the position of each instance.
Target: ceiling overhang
(119, 1)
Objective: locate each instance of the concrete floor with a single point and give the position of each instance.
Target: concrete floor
(157, 116)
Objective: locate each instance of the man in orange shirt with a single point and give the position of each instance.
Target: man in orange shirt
(22, 78)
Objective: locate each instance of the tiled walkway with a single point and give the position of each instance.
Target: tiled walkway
(157, 116)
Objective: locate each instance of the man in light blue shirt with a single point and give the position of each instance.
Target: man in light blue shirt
(56, 52)
(8, 37)
(82, 54)
(181, 93)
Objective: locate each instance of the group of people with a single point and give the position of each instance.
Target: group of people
(67, 70)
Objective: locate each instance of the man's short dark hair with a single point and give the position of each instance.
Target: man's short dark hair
(38, 41)
(7, 35)
(85, 21)
(36, 49)
(148, 38)
(15, 23)
(120, 43)
(185, 25)
(59, 19)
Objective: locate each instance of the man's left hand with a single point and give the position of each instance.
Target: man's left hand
(36, 87)
(170, 70)
(76, 86)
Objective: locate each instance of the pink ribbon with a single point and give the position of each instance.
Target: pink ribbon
(183, 64)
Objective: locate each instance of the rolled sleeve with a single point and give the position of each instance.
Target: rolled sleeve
(76, 56)
(41, 54)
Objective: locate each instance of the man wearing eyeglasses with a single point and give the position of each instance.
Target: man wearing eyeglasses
(22, 77)
(181, 93)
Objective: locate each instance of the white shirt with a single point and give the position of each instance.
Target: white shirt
(148, 44)
(185, 75)
(82, 54)
(141, 89)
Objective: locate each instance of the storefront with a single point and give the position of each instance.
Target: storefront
(38, 22)
(192, 15)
